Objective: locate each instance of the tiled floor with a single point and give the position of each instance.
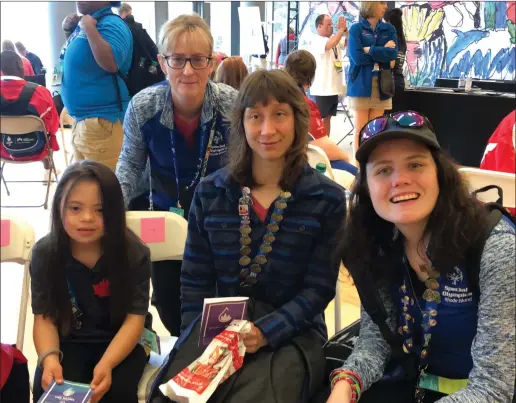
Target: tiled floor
(34, 193)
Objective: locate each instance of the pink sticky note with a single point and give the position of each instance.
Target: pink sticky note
(152, 230)
(5, 234)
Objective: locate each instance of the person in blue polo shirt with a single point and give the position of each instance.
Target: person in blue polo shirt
(176, 133)
(92, 92)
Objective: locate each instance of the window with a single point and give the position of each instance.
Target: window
(175, 9)
(220, 25)
(145, 13)
(27, 23)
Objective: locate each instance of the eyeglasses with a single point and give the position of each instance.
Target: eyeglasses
(403, 119)
(179, 62)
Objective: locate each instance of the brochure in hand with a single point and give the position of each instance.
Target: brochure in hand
(218, 313)
(69, 392)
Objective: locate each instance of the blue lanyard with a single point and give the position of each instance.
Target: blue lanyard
(68, 41)
(203, 161)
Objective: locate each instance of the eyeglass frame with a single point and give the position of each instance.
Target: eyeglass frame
(187, 60)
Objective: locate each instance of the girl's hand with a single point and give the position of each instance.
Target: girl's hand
(52, 370)
(391, 44)
(341, 393)
(101, 381)
(254, 340)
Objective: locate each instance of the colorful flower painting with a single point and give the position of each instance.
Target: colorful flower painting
(444, 38)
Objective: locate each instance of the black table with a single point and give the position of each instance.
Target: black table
(493, 85)
(463, 121)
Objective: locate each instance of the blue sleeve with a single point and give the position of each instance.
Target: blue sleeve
(198, 277)
(133, 156)
(319, 283)
(383, 54)
(115, 32)
(356, 49)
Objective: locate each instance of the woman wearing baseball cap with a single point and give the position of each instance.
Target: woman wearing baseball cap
(412, 230)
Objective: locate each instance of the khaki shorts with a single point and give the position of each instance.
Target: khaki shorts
(371, 103)
(97, 139)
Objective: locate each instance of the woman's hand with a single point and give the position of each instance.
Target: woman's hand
(52, 370)
(101, 381)
(366, 50)
(254, 340)
(391, 44)
(341, 393)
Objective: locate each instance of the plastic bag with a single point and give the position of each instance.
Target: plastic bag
(221, 359)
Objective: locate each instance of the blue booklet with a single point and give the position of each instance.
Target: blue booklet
(69, 392)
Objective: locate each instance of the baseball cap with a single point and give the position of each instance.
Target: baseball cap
(399, 125)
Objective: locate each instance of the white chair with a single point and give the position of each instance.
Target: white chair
(315, 156)
(20, 125)
(19, 236)
(479, 178)
(172, 248)
(65, 119)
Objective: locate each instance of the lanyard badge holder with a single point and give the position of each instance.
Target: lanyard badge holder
(57, 77)
(337, 63)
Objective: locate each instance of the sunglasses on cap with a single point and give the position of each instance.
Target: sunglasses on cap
(406, 119)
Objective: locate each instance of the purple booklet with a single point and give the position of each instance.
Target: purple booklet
(69, 392)
(218, 313)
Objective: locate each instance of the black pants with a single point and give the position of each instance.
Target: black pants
(17, 386)
(79, 360)
(167, 293)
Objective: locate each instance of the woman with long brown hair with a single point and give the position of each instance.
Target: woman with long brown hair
(265, 227)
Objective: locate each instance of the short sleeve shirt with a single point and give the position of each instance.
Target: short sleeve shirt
(327, 80)
(91, 293)
(88, 90)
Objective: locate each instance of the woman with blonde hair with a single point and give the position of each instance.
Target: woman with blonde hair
(232, 71)
(372, 45)
(175, 133)
(264, 227)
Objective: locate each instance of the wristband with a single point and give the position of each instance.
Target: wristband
(352, 374)
(47, 353)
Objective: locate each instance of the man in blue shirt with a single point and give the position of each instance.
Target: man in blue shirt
(95, 96)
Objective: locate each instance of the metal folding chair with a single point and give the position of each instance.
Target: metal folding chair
(17, 126)
(346, 117)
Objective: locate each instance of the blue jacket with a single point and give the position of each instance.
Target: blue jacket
(361, 35)
(148, 128)
(300, 276)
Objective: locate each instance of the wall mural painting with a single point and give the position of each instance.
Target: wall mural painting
(444, 38)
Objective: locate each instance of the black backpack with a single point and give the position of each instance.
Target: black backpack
(142, 73)
(25, 145)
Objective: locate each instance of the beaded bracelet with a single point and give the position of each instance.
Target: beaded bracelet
(355, 394)
(352, 374)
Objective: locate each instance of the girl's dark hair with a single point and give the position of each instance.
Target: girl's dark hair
(115, 247)
(395, 17)
(301, 65)
(368, 240)
(260, 88)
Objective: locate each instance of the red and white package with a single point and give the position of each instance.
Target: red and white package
(221, 359)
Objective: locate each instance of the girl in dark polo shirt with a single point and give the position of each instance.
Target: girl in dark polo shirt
(90, 289)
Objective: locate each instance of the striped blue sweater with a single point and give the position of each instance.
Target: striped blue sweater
(300, 277)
